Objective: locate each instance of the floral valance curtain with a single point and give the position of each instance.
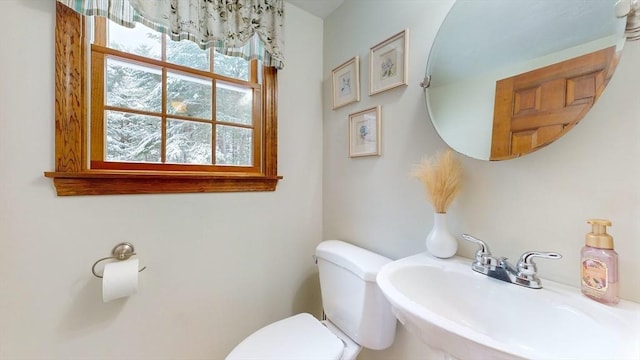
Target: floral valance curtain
(252, 29)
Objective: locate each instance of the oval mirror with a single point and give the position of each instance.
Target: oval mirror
(507, 77)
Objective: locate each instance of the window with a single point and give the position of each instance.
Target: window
(164, 116)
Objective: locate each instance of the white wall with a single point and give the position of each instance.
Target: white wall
(538, 202)
(219, 265)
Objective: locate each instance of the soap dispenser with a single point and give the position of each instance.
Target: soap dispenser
(600, 264)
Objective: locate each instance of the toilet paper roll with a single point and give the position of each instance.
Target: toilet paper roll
(120, 279)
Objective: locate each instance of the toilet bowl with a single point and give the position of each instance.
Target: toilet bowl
(299, 337)
(357, 313)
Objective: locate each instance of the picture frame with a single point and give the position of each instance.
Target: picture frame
(389, 63)
(364, 132)
(346, 83)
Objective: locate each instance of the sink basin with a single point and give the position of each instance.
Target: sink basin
(471, 316)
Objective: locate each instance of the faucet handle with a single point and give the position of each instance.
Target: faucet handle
(483, 254)
(527, 267)
(484, 248)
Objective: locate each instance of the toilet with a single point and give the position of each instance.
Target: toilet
(357, 313)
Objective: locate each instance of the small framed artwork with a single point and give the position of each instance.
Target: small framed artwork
(346, 83)
(364, 132)
(388, 63)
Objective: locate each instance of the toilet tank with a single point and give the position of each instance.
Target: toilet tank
(351, 298)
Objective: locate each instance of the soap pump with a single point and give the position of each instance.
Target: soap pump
(599, 264)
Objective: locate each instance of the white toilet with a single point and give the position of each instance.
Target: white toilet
(357, 313)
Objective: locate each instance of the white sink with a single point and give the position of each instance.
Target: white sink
(471, 316)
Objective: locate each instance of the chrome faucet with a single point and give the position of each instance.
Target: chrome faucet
(523, 274)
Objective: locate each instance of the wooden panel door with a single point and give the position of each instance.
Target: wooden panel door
(535, 108)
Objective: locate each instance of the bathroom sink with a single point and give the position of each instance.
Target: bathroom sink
(471, 316)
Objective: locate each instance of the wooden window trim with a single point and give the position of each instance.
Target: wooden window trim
(72, 175)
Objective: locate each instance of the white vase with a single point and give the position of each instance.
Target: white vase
(440, 242)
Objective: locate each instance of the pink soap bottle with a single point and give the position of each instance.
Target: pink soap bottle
(599, 263)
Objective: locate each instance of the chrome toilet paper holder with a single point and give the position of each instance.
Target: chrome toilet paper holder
(122, 251)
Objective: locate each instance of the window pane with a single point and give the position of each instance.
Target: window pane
(133, 137)
(188, 96)
(233, 146)
(187, 53)
(188, 142)
(233, 104)
(133, 86)
(230, 66)
(140, 40)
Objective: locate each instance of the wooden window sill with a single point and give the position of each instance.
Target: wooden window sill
(109, 182)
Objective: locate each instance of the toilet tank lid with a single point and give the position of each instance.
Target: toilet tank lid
(364, 263)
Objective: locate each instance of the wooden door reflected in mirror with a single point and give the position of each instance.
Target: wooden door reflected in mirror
(535, 108)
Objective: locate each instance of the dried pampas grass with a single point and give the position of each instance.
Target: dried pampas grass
(441, 176)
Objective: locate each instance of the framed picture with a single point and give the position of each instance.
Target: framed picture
(346, 83)
(388, 63)
(364, 132)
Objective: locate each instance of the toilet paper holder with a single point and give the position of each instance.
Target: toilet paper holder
(122, 251)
